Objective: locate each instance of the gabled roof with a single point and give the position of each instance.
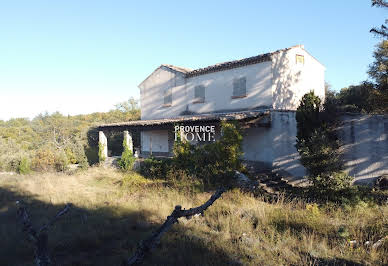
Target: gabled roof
(228, 65)
(225, 65)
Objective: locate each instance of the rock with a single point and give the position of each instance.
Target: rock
(382, 182)
(379, 242)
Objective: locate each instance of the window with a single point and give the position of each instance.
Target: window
(239, 87)
(299, 59)
(167, 97)
(199, 94)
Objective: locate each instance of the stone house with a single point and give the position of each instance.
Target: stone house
(262, 92)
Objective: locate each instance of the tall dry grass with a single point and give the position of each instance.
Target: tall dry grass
(113, 211)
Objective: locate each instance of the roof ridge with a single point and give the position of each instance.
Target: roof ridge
(229, 64)
(237, 63)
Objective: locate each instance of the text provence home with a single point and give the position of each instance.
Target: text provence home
(196, 133)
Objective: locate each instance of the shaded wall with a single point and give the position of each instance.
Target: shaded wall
(365, 146)
(286, 156)
(275, 145)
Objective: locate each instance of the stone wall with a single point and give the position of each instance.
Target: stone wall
(365, 146)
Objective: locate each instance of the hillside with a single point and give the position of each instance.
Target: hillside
(112, 211)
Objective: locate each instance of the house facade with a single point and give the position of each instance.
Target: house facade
(274, 80)
(262, 92)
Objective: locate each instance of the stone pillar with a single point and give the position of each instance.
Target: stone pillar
(151, 145)
(182, 135)
(128, 140)
(103, 142)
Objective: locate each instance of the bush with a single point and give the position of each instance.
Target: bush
(127, 159)
(61, 161)
(43, 160)
(155, 169)
(11, 155)
(332, 185)
(50, 159)
(318, 146)
(319, 153)
(24, 166)
(308, 116)
(214, 163)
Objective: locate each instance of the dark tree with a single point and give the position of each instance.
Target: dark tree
(382, 31)
(378, 70)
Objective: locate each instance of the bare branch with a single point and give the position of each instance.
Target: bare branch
(27, 225)
(147, 245)
(59, 214)
(379, 3)
(382, 31)
(40, 237)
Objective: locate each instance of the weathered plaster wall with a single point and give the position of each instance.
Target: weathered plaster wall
(152, 94)
(279, 84)
(258, 145)
(286, 156)
(291, 80)
(219, 89)
(365, 146)
(275, 145)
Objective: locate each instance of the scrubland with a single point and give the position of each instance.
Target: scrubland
(112, 211)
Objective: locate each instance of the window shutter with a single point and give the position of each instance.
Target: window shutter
(199, 93)
(168, 97)
(243, 86)
(240, 87)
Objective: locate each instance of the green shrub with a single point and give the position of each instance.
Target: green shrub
(333, 187)
(319, 153)
(154, 168)
(127, 159)
(61, 161)
(308, 116)
(318, 147)
(214, 163)
(24, 166)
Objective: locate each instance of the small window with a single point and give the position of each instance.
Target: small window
(199, 94)
(168, 97)
(239, 87)
(299, 59)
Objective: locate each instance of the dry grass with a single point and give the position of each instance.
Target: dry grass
(113, 211)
